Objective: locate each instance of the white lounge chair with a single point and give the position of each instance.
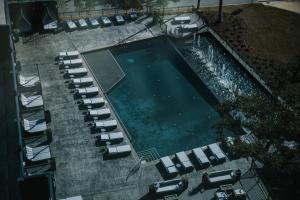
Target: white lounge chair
(28, 81)
(169, 165)
(168, 186)
(94, 102)
(51, 26)
(34, 126)
(106, 124)
(38, 153)
(88, 91)
(182, 19)
(69, 55)
(105, 21)
(71, 25)
(222, 177)
(82, 81)
(120, 19)
(72, 63)
(184, 160)
(82, 23)
(217, 152)
(189, 27)
(104, 112)
(119, 150)
(201, 157)
(111, 137)
(94, 22)
(31, 101)
(77, 72)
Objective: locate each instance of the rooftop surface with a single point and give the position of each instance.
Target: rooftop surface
(80, 167)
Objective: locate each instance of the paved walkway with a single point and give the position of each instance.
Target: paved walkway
(290, 6)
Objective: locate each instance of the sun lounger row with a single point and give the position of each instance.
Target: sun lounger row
(91, 104)
(29, 102)
(103, 20)
(183, 159)
(200, 156)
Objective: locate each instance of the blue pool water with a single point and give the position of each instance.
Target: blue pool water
(161, 101)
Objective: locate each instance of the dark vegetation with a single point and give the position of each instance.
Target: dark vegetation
(268, 40)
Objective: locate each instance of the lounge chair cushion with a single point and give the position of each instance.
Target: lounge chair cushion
(34, 125)
(184, 160)
(38, 153)
(32, 101)
(28, 81)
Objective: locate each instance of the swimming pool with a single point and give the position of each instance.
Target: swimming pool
(162, 103)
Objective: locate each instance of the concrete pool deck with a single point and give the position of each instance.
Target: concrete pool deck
(80, 168)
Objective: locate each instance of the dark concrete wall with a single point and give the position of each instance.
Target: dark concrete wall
(9, 156)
